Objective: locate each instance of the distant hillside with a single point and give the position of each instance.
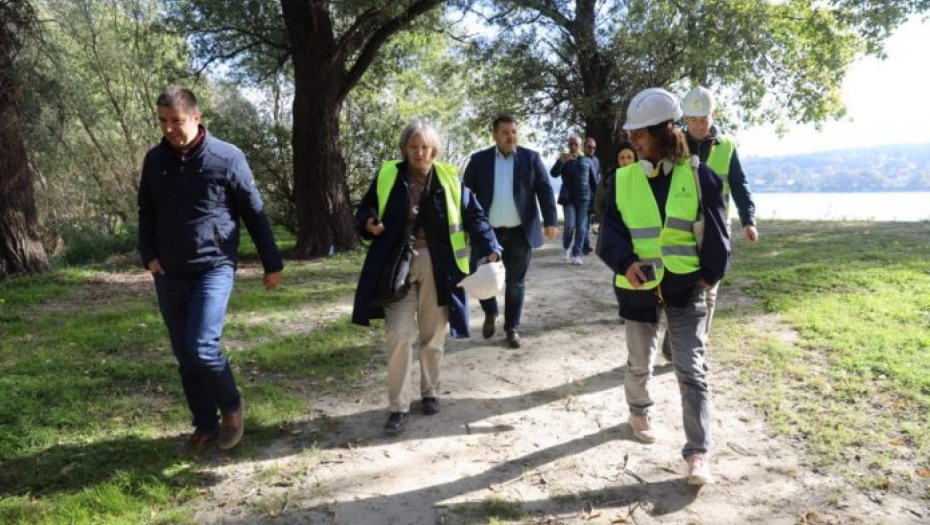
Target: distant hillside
(879, 168)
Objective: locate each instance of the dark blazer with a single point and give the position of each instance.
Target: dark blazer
(531, 189)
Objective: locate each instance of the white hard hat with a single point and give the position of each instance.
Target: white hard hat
(650, 107)
(486, 282)
(699, 102)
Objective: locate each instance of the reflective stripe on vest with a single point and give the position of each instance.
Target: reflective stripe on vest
(452, 189)
(671, 245)
(719, 160)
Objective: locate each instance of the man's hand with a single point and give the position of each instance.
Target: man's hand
(551, 232)
(271, 280)
(703, 284)
(494, 257)
(634, 275)
(752, 235)
(565, 157)
(374, 229)
(154, 266)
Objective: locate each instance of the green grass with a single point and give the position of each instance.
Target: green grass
(92, 415)
(855, 380)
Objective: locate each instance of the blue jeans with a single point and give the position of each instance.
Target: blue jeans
(576, 227)
(516, 259)
(193, 307)
(686, 329)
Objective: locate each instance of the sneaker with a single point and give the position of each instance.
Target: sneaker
(395, 423)
(576, 260)
(232, 427)
(698, 470)
(642, 428)
(430, 405)
(567, 256)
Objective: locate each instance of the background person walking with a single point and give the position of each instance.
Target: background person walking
(579, 180)
(511, 183)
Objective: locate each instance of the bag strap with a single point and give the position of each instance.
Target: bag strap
(695, 162)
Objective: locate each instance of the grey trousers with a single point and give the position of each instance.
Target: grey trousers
(415, 319)
(686, 329)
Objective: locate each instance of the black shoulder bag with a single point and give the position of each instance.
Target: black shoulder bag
(394, 281)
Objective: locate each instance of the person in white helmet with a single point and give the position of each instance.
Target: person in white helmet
(718, 151)
(651, 243)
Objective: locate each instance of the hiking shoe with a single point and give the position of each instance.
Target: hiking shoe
(642, 428)
(698, 470)
(201, 440)
(430, 405)
(513, 338)
(395, 423)
(487, 329)
(567, 256)
(576, 260)
(232, 427)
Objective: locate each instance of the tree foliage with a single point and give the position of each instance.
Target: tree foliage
(91, 115)
(582, 60)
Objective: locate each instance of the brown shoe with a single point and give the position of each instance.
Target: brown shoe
(200, 440)
(232, 427)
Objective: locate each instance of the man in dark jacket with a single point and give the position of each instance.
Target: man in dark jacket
(580, 176)
(511, 185)
(194, 190)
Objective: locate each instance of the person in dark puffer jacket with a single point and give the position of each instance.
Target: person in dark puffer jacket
(194, 191)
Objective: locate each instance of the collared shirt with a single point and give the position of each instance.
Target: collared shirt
(503, 212)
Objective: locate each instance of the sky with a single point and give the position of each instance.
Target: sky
(887, 102)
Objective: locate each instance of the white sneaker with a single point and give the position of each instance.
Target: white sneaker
(567, 257)
(576, 260)
(642, 428)
(698, 470)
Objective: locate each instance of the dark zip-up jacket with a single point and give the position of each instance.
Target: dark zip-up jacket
(190, 207)
(739, 185)
(579, 179)
(616, 248)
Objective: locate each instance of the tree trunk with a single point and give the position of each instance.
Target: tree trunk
(321, 194)
(20, 248)
(324, 210)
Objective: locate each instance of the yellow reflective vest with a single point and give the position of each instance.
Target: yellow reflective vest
(719, 160)
(452, 188)
(671, 245)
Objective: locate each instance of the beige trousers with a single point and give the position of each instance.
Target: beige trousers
(415, 319)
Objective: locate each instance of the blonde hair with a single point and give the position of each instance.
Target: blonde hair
(419, 126)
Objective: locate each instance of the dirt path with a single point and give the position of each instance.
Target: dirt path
(536, 435)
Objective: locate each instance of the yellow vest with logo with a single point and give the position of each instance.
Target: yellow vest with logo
(671, 245)
(719, 160)
(452, 188)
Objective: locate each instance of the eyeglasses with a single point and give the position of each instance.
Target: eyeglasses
(590, 147)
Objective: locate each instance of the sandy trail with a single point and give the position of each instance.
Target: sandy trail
(535, 435)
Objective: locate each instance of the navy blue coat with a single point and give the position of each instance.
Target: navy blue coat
(579, 179)
(531, 189)
(190, 207)
(445, 272)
